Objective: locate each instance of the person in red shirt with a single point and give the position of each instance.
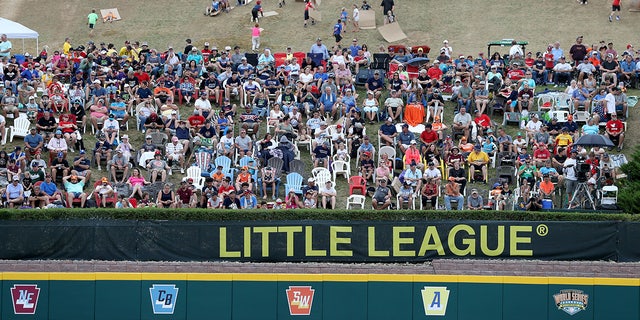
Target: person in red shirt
(186, 198)
(434, 72)
(142, 76)
(483, 122)
(615, 131)
(196, 121)
(529, 60)
(427, 137)
(541, 155)
(206, 52)
(549, 63)
(226, 186)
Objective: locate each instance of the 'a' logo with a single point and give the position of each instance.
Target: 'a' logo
(25, 298)
(163, 298)
(300, 300)
(435, 300)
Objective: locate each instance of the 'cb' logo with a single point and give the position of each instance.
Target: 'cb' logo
(163, 298)
(300, 300)
(25, 298)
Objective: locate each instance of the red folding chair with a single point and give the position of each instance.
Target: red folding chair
(357, 182)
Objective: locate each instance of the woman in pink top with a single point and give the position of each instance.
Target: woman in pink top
(136, 182)
(99, 112)
(291, 200)
(255, 37)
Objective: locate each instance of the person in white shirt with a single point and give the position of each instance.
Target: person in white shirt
(3, 123)
(515, 49)
(244, 144)
(569, 168)
(610, 100)
(226, 145)
(175, 152)
(448, 50)
(111, 128)
(562, 72)
(432, 173)
(203, 106)
(533, 126)
(57, 143)
(328, 194)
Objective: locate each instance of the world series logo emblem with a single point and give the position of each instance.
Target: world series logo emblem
(571, 301)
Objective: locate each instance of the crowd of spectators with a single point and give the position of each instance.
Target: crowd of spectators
(197, 106)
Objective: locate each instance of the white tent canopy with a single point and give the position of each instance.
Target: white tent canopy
(14, 30)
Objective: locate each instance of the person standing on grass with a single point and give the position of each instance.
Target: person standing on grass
(337, 31)
(93, 18)
(615, 6)
(356, 18)
(256, 31)
(308, 5)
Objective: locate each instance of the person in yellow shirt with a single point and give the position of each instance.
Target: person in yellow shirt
(564, 138)
(129, 51)
(478, 160)
(66, 47)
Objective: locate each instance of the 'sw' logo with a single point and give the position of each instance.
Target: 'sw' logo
(300, 300)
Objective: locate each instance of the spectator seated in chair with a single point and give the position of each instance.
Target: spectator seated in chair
(382, 196)
(104, 190)
(74, 186)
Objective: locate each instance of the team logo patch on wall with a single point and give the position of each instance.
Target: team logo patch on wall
(571, 301)
(434, 300)
(163, 298)
(300, 299)
(25, 298)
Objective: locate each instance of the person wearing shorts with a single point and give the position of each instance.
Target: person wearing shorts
(93, 18)
(337, 31)
(615, 6)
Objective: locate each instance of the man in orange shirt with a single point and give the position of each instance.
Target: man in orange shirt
(547, 188)
(161, 94)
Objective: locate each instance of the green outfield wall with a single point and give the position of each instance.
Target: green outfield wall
(313, 296)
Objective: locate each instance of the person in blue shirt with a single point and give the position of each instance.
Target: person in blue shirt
(337, 31)
(327, 100)
(33, 143)
(404, 138)
(354, 47)
(375, 84)
(49, 187)
(388, 132)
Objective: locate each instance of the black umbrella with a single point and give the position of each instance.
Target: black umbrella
(594, 140)
(417, 62)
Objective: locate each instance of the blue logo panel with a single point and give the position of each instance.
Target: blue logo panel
(163, 298)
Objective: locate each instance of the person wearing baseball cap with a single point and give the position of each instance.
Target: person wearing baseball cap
(478, 160)
(388, 132)
(615, 131)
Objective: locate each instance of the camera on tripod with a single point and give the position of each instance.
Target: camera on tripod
(582, 169)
